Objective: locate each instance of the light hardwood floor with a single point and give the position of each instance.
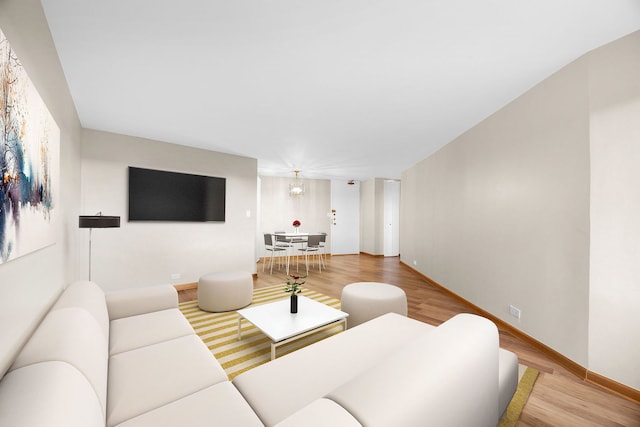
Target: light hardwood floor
(559, 398)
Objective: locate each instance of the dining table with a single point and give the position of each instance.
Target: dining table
(291, 239)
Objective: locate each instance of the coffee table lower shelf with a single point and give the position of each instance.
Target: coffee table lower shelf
(276, 344)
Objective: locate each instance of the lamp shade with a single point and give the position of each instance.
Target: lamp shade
(99, 221)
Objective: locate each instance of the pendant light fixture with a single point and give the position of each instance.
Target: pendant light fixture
(296, 189)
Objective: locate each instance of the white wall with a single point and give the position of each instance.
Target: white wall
(367, 216)
(259, 237)
(148, 253)
(29, 284)
(345, 234)
(278, 209)
(500, 215)
(614, 306)
(372, 216)
(538, 206)
(391, 218)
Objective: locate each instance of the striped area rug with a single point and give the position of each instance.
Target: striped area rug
(219, 331)
(526, 379)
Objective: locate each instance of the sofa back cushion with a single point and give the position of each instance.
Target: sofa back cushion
(135, 301)
(52, 394)
(76, 332)
(70, 335)
(448, 377)
(88, 296)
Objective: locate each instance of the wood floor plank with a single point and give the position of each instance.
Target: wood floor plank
(558, 399)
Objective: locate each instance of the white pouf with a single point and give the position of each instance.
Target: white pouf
(225, 291)
(367, 300)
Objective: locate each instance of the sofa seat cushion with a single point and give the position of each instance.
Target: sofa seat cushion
(218, 405)
(129, 333)
(320, 413)
(146, 378)
(53, 394)
(281, 387)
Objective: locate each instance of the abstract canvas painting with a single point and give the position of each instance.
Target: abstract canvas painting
(29, 158)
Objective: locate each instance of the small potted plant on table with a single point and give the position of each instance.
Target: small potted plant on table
(293, 287)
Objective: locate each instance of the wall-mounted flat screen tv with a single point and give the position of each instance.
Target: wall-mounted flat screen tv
(156, 195)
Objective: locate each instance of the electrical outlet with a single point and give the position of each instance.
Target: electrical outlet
(515, 312)
(415, 262)
(175, 276)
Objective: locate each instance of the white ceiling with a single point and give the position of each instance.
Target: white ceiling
(345, 89)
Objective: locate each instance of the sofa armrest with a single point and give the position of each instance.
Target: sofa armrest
(131, 302)
(508, 378)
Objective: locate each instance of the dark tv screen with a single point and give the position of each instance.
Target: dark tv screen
(171, 196)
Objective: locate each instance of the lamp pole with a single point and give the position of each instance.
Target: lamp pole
(97, 221)
(90, 230)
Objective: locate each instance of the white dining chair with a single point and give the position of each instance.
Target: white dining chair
(323, 251)
(285, 242)
(312, 247)
(269, 247)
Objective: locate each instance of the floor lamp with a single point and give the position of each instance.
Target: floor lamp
(97, 221)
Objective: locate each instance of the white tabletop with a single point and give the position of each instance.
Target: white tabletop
(278, 323)
(299, 234)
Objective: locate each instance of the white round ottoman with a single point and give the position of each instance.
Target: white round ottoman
(225, 291)
(368, 300)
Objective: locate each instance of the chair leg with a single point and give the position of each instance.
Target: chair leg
(306, 261)
(271, 264)
(287, 251)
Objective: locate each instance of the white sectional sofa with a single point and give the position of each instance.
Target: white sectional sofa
(131, 359)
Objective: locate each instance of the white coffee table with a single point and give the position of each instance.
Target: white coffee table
(275, 320)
